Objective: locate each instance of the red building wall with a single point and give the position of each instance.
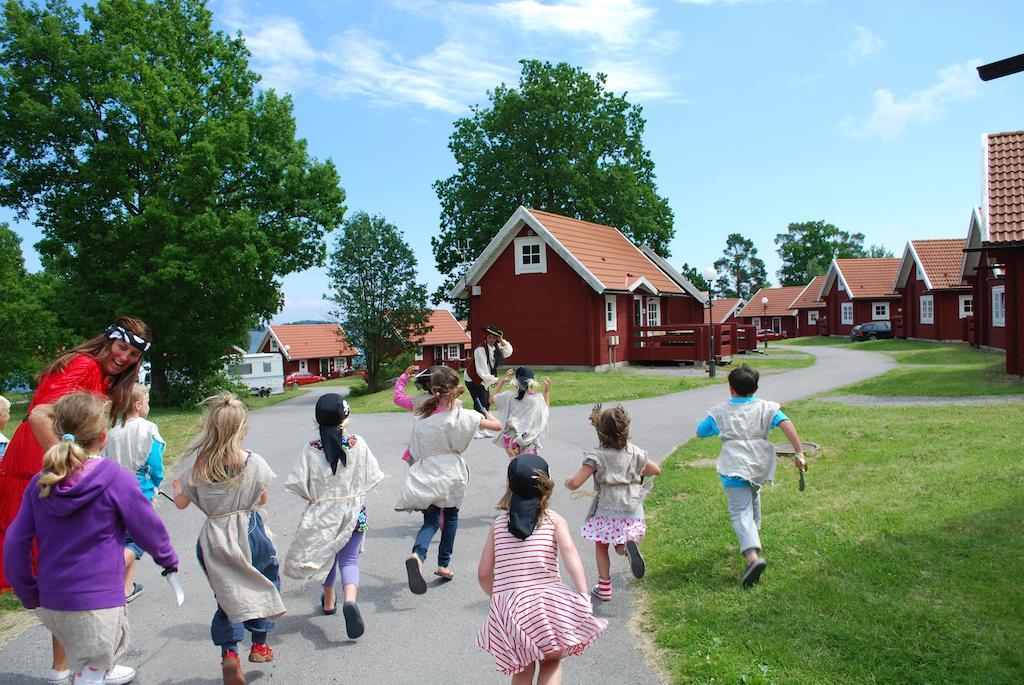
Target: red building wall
(788, 323)
(985, 333)
(862, 309)
(947, 324)
(802, 327)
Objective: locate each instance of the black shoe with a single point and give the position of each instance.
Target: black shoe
(353, 620)
(134, 594)
(327, 612)
(417, 585)
(753, 572)
(636, 561)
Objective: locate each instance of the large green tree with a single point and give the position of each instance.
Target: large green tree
(558, 142)
(29, 332)
(740, 271)
(807, 248)
(375, 295)
(694, 276)
(165, 185)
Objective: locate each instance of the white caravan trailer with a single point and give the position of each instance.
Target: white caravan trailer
(263, 373)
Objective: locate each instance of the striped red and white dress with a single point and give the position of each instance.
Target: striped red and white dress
(533, 614)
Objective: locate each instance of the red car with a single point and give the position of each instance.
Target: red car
(302, 378)
(767, 334)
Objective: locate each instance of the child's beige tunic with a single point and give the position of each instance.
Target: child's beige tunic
(241, 590)
(335, 500)
(438, 474)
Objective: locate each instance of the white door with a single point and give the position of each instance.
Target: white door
(303, 365)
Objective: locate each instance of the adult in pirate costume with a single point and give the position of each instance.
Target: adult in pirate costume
(482, 369)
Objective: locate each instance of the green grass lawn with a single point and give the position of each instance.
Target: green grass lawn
(813, 340)
(776, 358)
(893, 567)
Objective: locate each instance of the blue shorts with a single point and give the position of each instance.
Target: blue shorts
(130, 544)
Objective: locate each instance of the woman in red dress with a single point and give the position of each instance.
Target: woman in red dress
(107, 365)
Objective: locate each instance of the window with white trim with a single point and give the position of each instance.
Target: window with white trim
(880, 311)
(273, 346)
(927, 309)
(267, 367)
(757, 322)
(653, 311)
(846, 313)
(453, 351)
(531, 255)
(812, 317)
(777, 324)
(419, 354)
(966, 306)
(438, 353)
(999, 306)
(611, 315)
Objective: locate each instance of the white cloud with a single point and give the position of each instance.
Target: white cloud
(638, 79)
(891, 115)
(617, 22)
(865, 43)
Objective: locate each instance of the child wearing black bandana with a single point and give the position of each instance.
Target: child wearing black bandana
(333, 475)
(535, 620)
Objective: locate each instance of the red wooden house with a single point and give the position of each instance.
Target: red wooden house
(994, 252)
(725, 310)
(859, 291)
(576, 294)
(319, 348)
(778, 316)
(809, 309)
(447, 342)
(934, 301)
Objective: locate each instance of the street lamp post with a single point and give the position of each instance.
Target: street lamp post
(764, 321)
(710, 274)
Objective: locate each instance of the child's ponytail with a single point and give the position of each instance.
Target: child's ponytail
(219, 444)
(445, 388)
(81, 419)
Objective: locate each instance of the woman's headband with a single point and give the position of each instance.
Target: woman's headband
(115, 332)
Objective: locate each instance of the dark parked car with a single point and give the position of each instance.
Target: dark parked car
(871, 331)
(302, 378)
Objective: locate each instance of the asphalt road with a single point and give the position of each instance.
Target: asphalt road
(423, 639)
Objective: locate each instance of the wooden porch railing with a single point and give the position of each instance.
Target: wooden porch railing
(689, 342)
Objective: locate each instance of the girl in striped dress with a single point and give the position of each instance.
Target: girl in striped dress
(534, 619)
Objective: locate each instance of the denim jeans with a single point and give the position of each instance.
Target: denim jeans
(264, 557)
(431, 516)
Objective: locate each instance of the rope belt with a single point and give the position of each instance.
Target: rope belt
(339, 498)
(231, 513)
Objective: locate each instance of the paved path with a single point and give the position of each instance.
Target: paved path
(409, 639)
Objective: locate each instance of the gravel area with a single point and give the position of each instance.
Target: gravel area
(872, 401)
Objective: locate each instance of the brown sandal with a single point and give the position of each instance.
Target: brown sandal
(444, 573)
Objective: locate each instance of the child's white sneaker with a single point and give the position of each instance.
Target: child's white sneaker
(119, 675)
(59, 677)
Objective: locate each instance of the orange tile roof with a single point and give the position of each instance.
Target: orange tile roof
(941, 261)
(605, 252)
(309, 340)
(779, 301)
(871, 277)
(808, 297)
(445, 329)
(722, 309)
(1005, 187)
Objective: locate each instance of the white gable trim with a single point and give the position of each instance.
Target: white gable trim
(679, 279)
(801, 294)
(975, 236)
(904, 271)
(740, 304)
(521, 217)
(831, 275)
(280, 345)
(642, 281)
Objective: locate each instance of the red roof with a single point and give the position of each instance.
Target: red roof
(313, 340)
(779, 302)
(605, 252)
(445, 330)
(941, 261)
(808, 297)
(723, 308)
(870, 277)
(1005, 161)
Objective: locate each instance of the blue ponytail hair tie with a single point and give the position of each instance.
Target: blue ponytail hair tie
(70, 437)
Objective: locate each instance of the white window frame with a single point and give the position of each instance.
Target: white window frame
(927, 310)
(541, 267)
(875, 316)
(418, 356)
(777, 324)
(846, 313)
(966, 306)
(757, 322)
(812, 317)
(653, 311)
(453, 351)
(639, 311)
(273, 345)
(999, 306)
(611, 313)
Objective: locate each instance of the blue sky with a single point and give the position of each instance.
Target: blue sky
(866, 114)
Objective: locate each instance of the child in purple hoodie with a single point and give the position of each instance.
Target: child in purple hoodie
(78, 509)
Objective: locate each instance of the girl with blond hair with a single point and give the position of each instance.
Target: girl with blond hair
(227, 483)
(438, 475)
(78, 510)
